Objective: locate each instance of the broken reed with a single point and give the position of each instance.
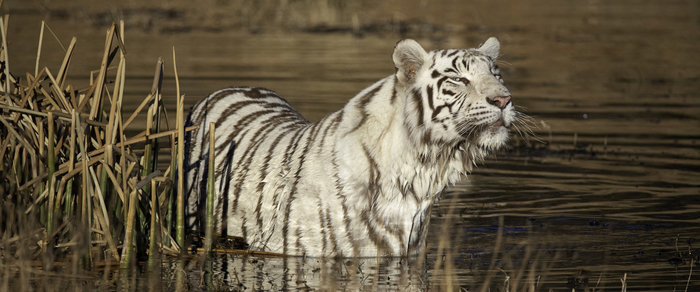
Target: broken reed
(72, 182)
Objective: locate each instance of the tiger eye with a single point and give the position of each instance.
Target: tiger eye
(462, 80)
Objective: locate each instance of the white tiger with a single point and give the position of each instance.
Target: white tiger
(361, 182)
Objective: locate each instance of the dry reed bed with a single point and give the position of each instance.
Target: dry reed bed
(74, 187)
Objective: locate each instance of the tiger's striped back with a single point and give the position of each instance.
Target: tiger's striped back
(361, 181)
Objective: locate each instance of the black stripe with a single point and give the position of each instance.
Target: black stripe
(329, 225)
(346, 220)
(315, 129)
(395, 232)
(333, 123)
(301, 250)
(407, 189)
(269, 108)
(429, 91)
(263, 174)
(227, 96)
(208, 103)
(231, 110)
(418, 99)
(437, 111)
(223, 195)
(297, 131)
(258, 93)
(394, 81)
(451, 70)
(246, 120)
(244, 229)
(246, 159)
(415, 243)
(291, 148)
(362, 106)
(322, 222)
(440, 81)
(448, 92)
(263, 130)
(374, 176)
(427, 137)
(376, 237)
(335, 126)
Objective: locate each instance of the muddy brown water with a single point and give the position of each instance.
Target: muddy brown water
(614, 190)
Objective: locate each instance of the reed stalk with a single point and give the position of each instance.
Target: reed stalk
(97, 100)
(152, 247)
(78, 172)
(122, 166)
(85, 207)
(152, 110)
(109, 136)
(128, 237)
(169, 213)
(52, 168)
(180, 235)
(38, 53)
(63, 71)
(209, 230)
(159, 110)
(71, 161)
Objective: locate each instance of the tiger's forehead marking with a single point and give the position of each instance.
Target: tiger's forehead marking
(455, 60)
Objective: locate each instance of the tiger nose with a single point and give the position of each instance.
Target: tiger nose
(499, 101)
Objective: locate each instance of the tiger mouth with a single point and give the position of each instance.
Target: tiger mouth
(498, 124)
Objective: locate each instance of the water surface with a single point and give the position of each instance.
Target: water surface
(612, 187)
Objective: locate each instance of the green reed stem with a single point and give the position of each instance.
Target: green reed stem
(154, 210)
(180, 236)
(128, 237)
(151, 147)
(147, 160)
(208, 239)
(69, 187)
(171, 192)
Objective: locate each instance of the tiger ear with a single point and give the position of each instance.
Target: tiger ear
(490, 48)
(408, 57)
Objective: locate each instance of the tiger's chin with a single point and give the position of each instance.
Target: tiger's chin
(493, 137)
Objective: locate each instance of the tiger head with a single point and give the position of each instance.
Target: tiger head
(454, 96)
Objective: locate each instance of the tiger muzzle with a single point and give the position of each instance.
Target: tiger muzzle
(500, 101)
